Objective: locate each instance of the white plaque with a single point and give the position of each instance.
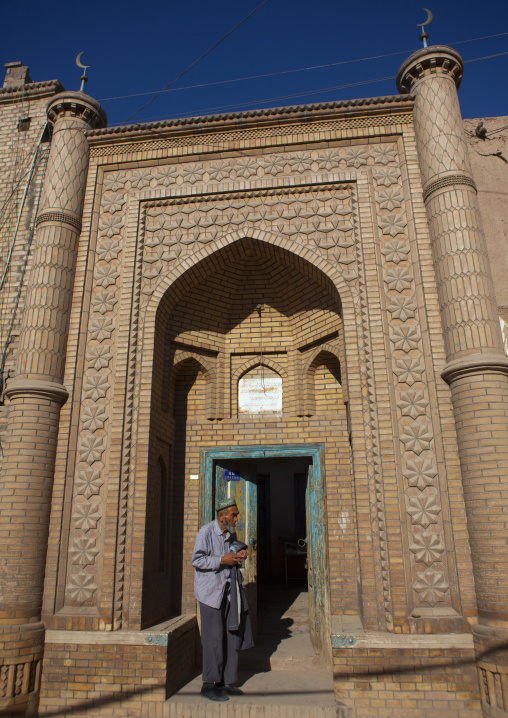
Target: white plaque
(260, 396)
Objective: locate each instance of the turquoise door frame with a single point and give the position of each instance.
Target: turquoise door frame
(316, 506)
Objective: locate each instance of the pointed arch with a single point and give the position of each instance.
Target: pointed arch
(319, 350)
(173, 287)
(182, 355)
(208, 371)
(257, 361)
(328, 358)
(169, 289)
(207, 368)
(334, 273)
(307, 407)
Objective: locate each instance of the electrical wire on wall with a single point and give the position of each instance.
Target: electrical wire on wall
(164, 89)
(36, 170)
(20, 212)
(259, 309)
(10, 212)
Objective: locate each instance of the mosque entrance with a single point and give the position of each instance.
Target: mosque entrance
(278, 492)
(249, 373)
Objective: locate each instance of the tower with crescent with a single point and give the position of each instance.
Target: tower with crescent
(301, 307)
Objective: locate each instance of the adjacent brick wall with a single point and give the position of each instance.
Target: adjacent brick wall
(407, 683)
(115, 678)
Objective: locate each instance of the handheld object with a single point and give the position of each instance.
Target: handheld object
(237, 546)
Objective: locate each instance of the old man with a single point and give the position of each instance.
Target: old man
(225, 627)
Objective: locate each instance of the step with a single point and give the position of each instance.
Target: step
(292, 653)
(274, 694)
(229, 710)
(286, 657)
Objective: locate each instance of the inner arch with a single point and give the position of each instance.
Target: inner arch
(251, 303)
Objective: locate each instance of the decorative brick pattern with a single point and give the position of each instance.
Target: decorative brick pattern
(159, 227)
(35, 398)
(86, 513)
(222, 138)
(17, 150)
(419, 463)
(316, 215)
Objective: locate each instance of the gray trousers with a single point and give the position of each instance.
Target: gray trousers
(220, 646)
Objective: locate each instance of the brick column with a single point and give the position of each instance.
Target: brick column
(36, 395)
(477, 368)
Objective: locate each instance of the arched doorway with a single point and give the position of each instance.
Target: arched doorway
(250, 319)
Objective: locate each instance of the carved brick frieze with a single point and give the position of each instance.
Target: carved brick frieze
(416, 432)
(312, 212)
(87, 502)
(322, 217)
(448, 181)
(58, 217)
(219, 140)
(317, 217)
(256, 167)
(19, 678)
(493, 678)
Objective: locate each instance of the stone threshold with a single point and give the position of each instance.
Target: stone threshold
(380, 640)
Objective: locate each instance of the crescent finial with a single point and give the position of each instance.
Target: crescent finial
(79, 63)
(429, 19)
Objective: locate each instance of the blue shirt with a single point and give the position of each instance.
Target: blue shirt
(210, 578)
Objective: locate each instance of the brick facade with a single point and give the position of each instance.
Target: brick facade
(173, 260)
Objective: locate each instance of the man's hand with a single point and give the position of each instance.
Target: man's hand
(231, 559)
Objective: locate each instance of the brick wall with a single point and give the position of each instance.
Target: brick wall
(488, 161)
(407, 682)
(116, 674)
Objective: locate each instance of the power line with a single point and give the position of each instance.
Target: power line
(284, 72)
(239, 105)
(487, 57)
(196, 61)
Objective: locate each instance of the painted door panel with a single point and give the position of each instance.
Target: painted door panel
(311, 582)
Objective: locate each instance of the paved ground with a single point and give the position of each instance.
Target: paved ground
(282, 677)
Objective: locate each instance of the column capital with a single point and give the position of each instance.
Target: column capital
(36, 387)
(76, 105)
(434, 60)
(475, 364)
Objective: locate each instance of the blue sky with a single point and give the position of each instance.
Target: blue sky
(135, 47)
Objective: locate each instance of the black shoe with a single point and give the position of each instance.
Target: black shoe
(210, 691)
(231, 690)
